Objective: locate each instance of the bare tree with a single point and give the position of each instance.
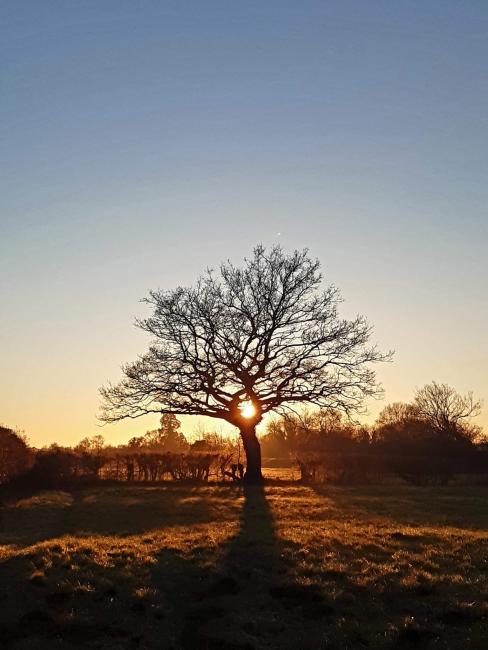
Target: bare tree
(445, 409)
(244, 342)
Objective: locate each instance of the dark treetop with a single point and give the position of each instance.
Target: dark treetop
(265, 332)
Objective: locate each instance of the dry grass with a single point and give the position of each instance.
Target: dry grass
(213, 567)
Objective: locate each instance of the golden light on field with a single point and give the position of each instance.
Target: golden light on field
(248, 410)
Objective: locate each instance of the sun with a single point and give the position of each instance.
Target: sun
(247, 409)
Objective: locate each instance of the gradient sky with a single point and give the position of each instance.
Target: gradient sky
(144, 141)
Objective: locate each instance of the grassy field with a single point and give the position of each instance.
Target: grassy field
(223, 567)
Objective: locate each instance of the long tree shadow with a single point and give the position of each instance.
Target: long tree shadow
(252, 596)
(232, 597)
(214, 603)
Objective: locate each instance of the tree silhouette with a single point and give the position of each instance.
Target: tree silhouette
(447, 411)
(246, 341)
(168, 437)
(14, 454)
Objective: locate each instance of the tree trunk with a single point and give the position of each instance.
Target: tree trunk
(253, 454)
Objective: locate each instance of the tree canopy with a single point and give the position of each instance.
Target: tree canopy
(246, 341)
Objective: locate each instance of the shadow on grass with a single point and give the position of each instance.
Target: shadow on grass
(107, 511)
(456, 506)
(251, 596)
(254, 590)
(229, 599)
(193, 596)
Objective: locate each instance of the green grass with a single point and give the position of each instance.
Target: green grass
(218, 567)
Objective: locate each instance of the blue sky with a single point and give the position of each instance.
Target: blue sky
(144, 141)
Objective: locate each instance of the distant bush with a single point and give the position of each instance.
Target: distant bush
(147, 465)
(341, 468)
(15, 455)
(53, 466)
(374, 465)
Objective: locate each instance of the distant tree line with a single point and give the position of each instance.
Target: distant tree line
(429, 440)
(157, 455)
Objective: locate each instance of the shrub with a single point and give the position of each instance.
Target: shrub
(15, 456)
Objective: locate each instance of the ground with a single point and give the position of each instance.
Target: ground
(226, 567)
